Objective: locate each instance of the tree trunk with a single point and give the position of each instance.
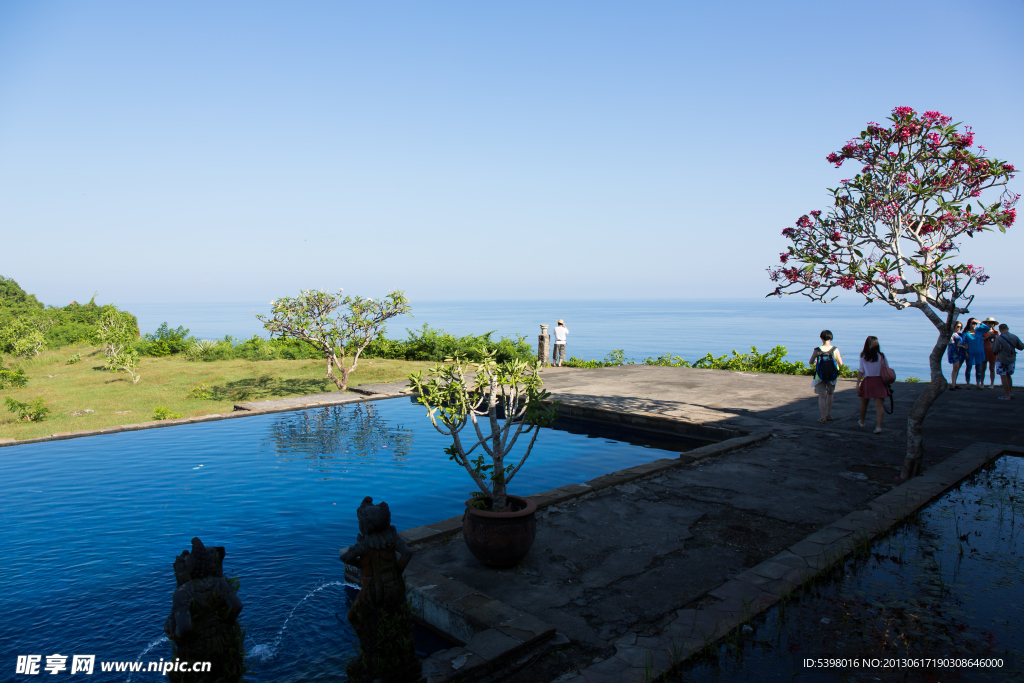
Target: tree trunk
(915, 421)
(333, 360)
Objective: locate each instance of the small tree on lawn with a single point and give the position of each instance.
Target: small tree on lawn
(117, 331)
(311, 317)
(892, 232)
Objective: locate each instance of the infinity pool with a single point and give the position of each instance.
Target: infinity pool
(91, 526)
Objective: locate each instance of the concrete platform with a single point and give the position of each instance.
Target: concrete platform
(618, 569)
(753, 402)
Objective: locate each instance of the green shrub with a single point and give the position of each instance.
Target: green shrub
(432, 344)
(125, 360)
(79, 323)
(201, 349)
(614, 359)
(164, 342)
(14, 298)
(23, 336)
(912, 380)
(163, 413)
(12, 378)
(200, 392)
(255, 348)
(77, 358)
(34, 411)
(293, 349)
(60, 326)
(768, 362)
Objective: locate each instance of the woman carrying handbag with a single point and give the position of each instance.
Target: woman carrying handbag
(870, 381)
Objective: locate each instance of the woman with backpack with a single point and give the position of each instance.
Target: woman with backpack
(826, 362)
(869, 381)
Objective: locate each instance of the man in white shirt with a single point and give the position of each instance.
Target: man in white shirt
(558, 352)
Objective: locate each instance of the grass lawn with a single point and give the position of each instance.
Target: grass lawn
(167, 382)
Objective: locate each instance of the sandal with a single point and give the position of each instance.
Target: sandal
(861, 423)
(829, 418)
(878, 430)
(821, 420)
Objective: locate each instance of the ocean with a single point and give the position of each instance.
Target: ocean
(641, 328)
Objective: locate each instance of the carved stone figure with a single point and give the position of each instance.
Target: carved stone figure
(380, 613)
(203, 625)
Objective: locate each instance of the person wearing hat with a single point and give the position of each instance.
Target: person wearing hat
(990, 356)
(1006, 346)
(558, 351)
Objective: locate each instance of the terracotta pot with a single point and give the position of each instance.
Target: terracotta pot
(501, 539)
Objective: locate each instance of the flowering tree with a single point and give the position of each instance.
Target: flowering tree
(309, 317)
(891, 235)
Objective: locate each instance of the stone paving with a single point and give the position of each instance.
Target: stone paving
(644, 571)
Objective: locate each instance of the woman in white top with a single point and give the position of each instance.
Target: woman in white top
(869, 381)
(825, 388)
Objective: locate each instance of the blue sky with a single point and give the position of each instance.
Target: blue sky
(241, 151)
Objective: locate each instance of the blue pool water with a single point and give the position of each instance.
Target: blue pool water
(89, 527)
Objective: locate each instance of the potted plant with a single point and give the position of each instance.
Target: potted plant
(503, 402)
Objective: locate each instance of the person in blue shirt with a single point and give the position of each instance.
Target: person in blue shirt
(973, 336)
(956, 352)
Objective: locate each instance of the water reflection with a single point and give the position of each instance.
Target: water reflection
(333, 438)
(945, 584)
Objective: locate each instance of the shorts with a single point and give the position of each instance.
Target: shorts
(558, 353)
(1005, 370)
(823, 388)
(955, 355)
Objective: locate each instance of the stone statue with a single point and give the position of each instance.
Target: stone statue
(380, 613)
(203, 625)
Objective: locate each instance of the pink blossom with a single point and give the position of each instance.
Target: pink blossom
(901, 112)
(784, 256)
(803, 221)
(818, 213)
(789, 232)
(965, 140)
